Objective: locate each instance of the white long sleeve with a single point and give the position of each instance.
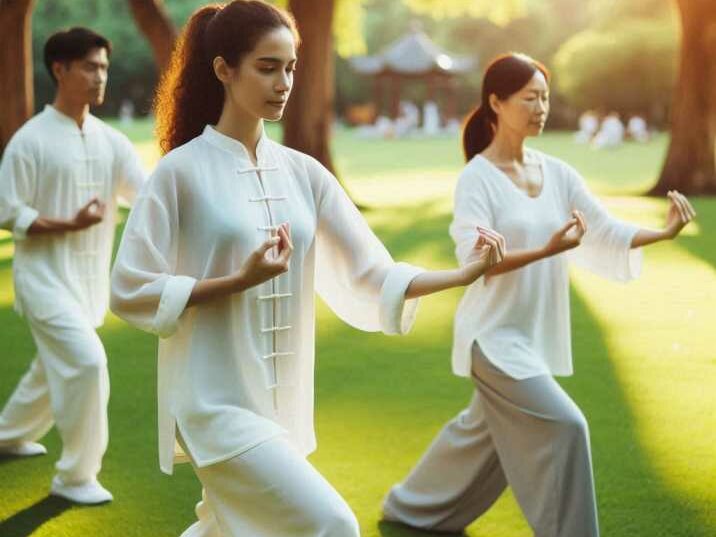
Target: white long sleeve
(18, 185)
(606, 247)
(355, 274)
(146, 290)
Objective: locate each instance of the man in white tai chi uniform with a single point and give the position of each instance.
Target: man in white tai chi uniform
(60, 177)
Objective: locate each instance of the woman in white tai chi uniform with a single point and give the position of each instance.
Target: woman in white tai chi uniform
(204, 263)
(512, 330)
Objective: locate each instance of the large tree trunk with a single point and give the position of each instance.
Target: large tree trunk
(154, 22)
(690, 165)
(309, 115)
(16, 93)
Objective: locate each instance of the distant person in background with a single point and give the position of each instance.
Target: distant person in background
(512, 327)
(588, 127)
(60, 178)
(638, 130)
(126, 112)
(611, 132)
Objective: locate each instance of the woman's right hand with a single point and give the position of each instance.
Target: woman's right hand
(261, 265)
(568, 236)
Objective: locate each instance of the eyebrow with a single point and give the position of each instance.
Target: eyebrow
(96, 64)
(275, 60)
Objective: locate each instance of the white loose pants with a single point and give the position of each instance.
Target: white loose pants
(68, 385)
(269, 491)
(526, 433)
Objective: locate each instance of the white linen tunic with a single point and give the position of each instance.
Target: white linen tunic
(237, 371)
(521, 319)
(52, 168)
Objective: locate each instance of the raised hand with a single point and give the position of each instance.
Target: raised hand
(263, 264)
(90, 214)
(489, 250)
(568, 236)
(680, 213)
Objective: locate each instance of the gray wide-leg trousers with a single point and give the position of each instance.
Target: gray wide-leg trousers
(527, 434)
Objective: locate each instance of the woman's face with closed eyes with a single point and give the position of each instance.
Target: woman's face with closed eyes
(260, 85)
(524, 112)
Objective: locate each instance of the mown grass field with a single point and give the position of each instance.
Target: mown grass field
(644, 353)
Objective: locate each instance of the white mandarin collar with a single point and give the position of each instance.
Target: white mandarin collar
(233, 146)
(66, 121)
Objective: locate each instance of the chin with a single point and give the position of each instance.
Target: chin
(274, 117)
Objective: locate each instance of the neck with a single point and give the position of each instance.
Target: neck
(506, 146)
(241, 127)
(77, 111)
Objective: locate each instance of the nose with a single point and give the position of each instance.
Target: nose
(284, 83)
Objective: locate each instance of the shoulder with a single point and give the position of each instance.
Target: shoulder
(174, 169)
(117, 138)
(554, 165)
(297, 160)
(475, 175)
(26, 141)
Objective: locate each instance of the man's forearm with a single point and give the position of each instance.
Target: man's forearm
(45, 226)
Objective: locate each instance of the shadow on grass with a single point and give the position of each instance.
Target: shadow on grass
(396, 529)
(25, 522)
(633, 498)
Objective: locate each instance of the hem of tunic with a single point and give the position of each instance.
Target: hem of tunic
(235, 453)
(460, 372)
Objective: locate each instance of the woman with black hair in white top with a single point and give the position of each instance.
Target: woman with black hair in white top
(512, 328)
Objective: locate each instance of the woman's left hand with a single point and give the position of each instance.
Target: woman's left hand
(489, 250)
(681, 212)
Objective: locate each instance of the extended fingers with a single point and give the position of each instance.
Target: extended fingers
(686, 205)
(497, 244)
(580, 220)
(569, 225)
(675, 198)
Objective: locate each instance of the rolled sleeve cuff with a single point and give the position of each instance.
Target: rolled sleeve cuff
(172, 304)
(24, 220)
(630, 266)
(397, 315)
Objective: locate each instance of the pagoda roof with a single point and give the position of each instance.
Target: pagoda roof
(413, 54)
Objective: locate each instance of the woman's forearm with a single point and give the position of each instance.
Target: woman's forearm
(433, 281)
(213, 288)
(645, 236)
(516, 259)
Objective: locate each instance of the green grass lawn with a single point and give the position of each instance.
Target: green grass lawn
(644, 356)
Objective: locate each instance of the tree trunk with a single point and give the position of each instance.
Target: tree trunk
(309, 114)
(154, 22)
(690, 165)
(16, 92)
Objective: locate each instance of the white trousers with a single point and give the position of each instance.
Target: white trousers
(67, 385)
(525, 433)
(269, 491)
